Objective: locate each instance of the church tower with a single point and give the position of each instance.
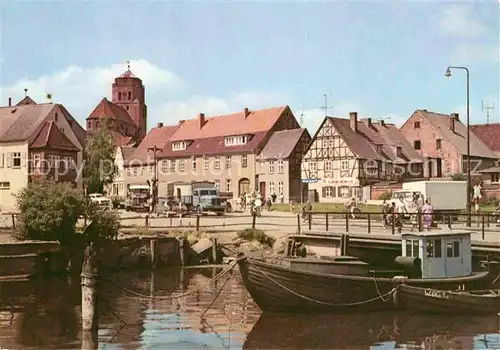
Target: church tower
(129, 93)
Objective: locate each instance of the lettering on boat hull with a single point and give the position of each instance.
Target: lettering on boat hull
(438, 294)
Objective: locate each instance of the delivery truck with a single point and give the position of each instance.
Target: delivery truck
(198, 196)
(446, 196)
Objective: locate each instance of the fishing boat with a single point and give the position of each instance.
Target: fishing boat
(428, 300)
(445, 264)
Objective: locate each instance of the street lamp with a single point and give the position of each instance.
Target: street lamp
(154, 185)
(448, 74)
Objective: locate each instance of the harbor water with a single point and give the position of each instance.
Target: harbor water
(136, 312)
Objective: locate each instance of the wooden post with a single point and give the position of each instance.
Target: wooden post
(326, 217)
(253, 220)
(488, 219)
(482, 226)
(309, 218)
(342, 244)
(419, 218)
(449, 221)
(298, 224)
(89, 276)
(147, 221)
(170, 220)
(197, 223)
(346, 222)
(182, 254)
(152, 248)
(90, 340)
(214, 250)
(369, 223)
(346, 245)
(13, 222)
(393, 223)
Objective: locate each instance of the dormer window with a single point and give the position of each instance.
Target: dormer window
(235, 140)
(179, 146)
(399, 151)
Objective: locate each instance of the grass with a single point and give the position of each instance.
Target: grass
(326, 207)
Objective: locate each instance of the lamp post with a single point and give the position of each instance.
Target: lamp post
(448, 74)
(154, 185)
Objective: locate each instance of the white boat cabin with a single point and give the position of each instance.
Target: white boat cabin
(443, 253)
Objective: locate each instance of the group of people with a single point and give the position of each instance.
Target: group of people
(397, 210)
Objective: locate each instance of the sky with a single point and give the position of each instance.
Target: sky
(380, 59)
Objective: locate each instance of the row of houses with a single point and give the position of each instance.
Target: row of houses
(251, 150)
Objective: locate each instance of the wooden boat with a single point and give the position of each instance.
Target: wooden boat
(277, 288)
(428, 300)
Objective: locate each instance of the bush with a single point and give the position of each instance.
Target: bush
(387, 195)
(458, 177)
(260, 236)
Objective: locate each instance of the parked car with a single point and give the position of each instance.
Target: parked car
(100, 200)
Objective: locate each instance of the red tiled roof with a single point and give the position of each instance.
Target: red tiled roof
(231, 124)
(79, 131)
(26, 101)
(52, 138)
(489, 134)
(214, 145)
(122, 140)
(158, 137)
(128, 74)
(364, 142)
(458, 138)
(18, 123)
(107, 109)
(281, 144)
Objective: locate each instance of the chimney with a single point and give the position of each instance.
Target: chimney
(452, 122)
(369, 122)
(10, 101)
(382, 123)
(160, 125)
(181, 122)
(353, 116)
(455, 116)
(246, 112)
(201, 119)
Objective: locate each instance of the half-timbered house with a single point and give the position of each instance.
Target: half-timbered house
(346, 156)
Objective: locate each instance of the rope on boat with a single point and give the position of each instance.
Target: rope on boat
(383, 297)
(178, 296)
(496, 279)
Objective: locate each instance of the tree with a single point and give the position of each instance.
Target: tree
(458, 177)
(99, 167)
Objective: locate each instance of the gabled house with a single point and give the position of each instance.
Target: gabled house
(346, 156)
(37, 140)
(441, 140)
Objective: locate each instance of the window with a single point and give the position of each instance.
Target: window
(325, 143)
(494, 176)
(379, 149)
(164, 166)
(235, 140)
(344, 165)
(217, 184)
(36, 161)
(453, 249)
(438, 144)
(416, 125)
(4, 185)
(130, 95)
(412, 248)
(228, 185)
(193, 163)
(271, 187)
(330, 143)
(280, 187)
(172, 165)
(181, 165)
(206, 162)
(313, 166)
(244, 161)
(228, 162)
(136, 170)
(434, 248)
(399, 151)
(280, 166)
(119, 96)
(328, 165)
(179, 146)
(416, 144)
(271, 167)
(217, 163)
(328, 191)
(16, 159)
(344, 192)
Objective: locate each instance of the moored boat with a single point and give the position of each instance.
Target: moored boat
(428, 300)
(445, 258)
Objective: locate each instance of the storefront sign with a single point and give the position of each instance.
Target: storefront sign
(340, 182)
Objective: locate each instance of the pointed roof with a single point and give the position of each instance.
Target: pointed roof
(282, 143)
(489, 134)
(18, 123)
(128, 74)
(107, 109)
(26, 101)
(158, 137)
(51, 137)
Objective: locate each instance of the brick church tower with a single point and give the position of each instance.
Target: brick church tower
(129, 93)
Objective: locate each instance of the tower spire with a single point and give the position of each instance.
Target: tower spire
(128, 66)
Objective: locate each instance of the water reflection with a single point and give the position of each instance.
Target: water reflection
(46, 314)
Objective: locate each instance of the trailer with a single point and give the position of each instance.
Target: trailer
(198, 196)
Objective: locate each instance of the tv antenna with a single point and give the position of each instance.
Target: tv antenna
(301, 120)
(484, 106)
(326, 106)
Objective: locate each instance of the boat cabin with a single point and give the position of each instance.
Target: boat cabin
(443, 253)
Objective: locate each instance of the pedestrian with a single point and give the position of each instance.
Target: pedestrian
(273, 197)
(292, 206)
(269, 203)
(282, 198)
(427, 211)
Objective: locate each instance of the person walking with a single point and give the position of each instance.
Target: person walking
(427, 211)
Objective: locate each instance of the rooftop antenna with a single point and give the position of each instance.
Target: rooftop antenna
(484, 106)
(301, 120)
(326, 106)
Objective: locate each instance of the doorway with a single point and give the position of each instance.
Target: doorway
(439, 167)
(243, 186)
(430, 170)
(262, 189)
(178, 193)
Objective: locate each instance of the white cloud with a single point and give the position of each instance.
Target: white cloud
(457, 20)
(80, 89)
(478, 52)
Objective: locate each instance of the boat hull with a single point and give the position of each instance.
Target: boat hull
(432, 301)
(283, 290)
